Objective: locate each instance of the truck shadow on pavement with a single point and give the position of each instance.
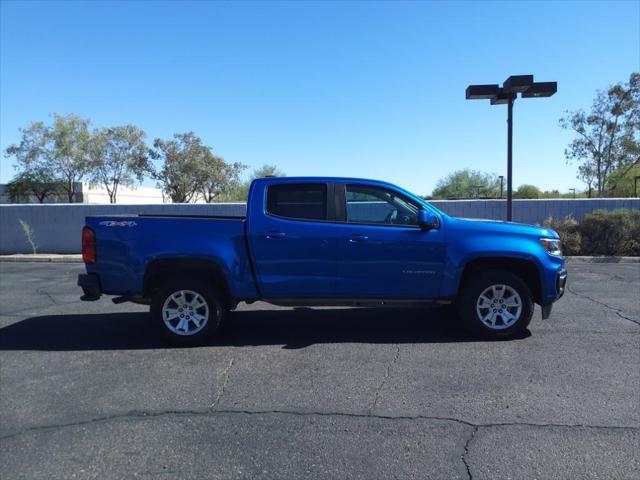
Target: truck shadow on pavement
(297, 328)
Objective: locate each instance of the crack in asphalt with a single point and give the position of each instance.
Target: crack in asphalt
(475, 427)
(627, 318)
(391, 363)
(140, 415)
(617, 311)
(225, 379)
(463, 457)
(48, 295)
(596, 332)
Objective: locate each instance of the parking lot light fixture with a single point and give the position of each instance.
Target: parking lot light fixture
(506, 95)
(541, 89)
(482, 92)
(518, 83)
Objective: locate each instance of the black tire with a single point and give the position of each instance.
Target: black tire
(470, 307)
(203, 333)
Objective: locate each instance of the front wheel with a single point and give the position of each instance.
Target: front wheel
(187, 312)
(496, 304)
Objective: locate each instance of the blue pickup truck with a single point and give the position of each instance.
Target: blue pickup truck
(323, 241)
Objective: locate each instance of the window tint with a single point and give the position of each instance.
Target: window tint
(367, 204)
(305, 201)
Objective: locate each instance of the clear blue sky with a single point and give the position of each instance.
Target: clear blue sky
(356, 89)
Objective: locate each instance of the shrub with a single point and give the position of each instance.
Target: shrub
(569, 231)
(610, 232)
(601, 232)
(29, 234)
(633, 244)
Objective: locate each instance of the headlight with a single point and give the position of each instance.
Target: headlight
(553, 246)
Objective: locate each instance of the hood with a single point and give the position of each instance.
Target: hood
(476, 224)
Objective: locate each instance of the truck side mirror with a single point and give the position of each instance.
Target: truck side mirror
(427, 220)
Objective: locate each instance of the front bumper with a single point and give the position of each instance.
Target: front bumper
(561, 283)
(90, 284)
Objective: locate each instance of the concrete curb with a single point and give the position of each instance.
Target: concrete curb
(77, 258)
(41, 258)
(578, 260)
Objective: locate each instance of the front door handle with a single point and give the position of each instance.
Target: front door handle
(274, 234)
(357, 238)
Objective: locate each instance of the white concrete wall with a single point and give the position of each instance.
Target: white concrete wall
(57, 226)
(533, 210)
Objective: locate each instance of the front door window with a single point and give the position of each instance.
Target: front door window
(379, 206)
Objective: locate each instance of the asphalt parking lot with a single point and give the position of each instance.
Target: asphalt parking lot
(87, 391)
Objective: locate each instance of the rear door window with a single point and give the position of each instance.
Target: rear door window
(300, 201)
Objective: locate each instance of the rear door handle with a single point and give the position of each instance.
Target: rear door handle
(274, 234)
(357, 238)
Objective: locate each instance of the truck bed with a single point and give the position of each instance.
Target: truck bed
(177, 215)
(128, 245)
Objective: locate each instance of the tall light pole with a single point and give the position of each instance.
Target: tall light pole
(508, 93)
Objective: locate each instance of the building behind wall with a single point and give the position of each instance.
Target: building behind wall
(85, 193)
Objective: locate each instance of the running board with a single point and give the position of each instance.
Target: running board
(132, 299)
(353, 302)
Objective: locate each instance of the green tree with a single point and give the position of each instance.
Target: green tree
(219, 177)
(555, 193)
(29, 156)
(38, 182)
(608, 136)
(235, 192)
(66, 151)
(182, 165)
(266, 171)
(31, 149)
(621, 183)
(239, 191)
(527, 191)
(119, 156)
(467, 184)
(60, 148)
(190, 169)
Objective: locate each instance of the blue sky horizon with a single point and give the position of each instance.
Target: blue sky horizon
(367, 89)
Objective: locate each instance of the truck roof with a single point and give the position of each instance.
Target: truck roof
(326, 179)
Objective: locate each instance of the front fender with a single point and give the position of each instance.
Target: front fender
(493, 245)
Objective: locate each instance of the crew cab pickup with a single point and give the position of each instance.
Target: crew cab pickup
(323, 241)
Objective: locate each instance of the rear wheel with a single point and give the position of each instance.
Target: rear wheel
(496, 304)
(187, 312)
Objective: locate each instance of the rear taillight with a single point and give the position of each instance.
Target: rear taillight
(88, 245)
